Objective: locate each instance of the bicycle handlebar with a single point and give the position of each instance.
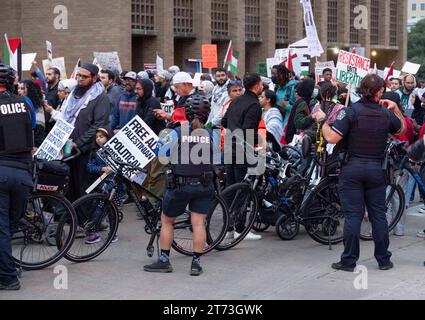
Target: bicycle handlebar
(121, 164)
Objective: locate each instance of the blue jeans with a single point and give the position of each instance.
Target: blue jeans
(15, 187)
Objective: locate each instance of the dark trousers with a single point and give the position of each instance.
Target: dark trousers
(15, 187)
(80, 177)
(362, 185)
(236, 174)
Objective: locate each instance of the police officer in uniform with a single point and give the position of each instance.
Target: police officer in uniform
(16, 143)
(192, 150)
(366, 127)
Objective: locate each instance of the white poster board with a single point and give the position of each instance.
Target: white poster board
(51, 147)
(411, 68)
(321, 66)
(27, 60)
(159, 63)
(351, 68)
(57, 63)
(168, 107)
(314, 45)
(49, 48)
(108, 60)
(134, 144)
(271, 62)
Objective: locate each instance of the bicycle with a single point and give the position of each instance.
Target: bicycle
(47, 230)
(107, 214)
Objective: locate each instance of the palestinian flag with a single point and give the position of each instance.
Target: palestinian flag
(13, 53)
(231, 60)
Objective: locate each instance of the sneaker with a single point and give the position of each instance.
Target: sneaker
(93, 238)
(250, 236)
(341, 267)
(159, 267)
(422, 210)
(196, 269)
(387, 267)
(421, 234)
(230, 235)
(80, 233)
(115, 239)
(10, 284)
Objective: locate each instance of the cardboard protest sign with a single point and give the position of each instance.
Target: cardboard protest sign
(411, 68)
(351, 68)
(57, 63)
(51, 147)
(321, 66)
(168, 107)
(209, 56)
(108, 60)
(134, 144)
(150, 66)
(314, 46)
(27, 60)
(159, 63)
(49, 51)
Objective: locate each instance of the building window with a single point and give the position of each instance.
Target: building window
(252, 20)
(374, 24)
(220, 18)
(183, 16)
(143, 15)
(333, 21)
(422, 6)
(282, 21)
(413, 6)
(354, 33)
(393, 22)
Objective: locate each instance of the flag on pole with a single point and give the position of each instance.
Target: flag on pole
(13, 53)
(231, 60)
(289, 64)
(75, 72)
(390, 73)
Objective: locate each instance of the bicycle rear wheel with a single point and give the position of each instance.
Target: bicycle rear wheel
(323, 218)
(216, 227)
(98, 220)
(242, 205)
(45, 233)
(395, 203)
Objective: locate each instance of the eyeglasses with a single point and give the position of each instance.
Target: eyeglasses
(235, 82)
(83, 76)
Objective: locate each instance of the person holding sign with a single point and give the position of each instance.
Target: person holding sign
(362, 184)
(188, 184)
(16, 143)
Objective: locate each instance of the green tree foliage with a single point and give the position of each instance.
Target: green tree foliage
(416, 47)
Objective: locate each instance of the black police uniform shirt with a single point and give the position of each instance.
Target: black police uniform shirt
(190, 152)
(16, 137)
(365, 128)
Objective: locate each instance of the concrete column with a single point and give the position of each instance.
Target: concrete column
(164, 14)
(237, 31)
(296, 21)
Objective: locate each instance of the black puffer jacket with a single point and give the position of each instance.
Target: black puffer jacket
(417, 151)
(146, 105)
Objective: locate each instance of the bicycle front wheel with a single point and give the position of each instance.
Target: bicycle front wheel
(395, 204)
(45, 233)
(98, 220)
(242, 205)
(216, 227)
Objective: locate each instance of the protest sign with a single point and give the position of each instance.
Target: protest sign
(58, 63)
(321, 66)
(168, 107)
(27, 60)
(159, 63)
(262, 68)
(396, 73)
(49, 51)
(209, 56)
(411, 68)
(150, 66)
(51, 147)
(271, 62)
(351, 68)
(108, 60)
(314, 45)
(134, 144)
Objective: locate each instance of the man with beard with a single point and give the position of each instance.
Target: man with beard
(408, 95)
(219, 97)
(125, 110)
(87, 108)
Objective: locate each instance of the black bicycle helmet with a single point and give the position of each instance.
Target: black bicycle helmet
(198, 106)
(7, 75)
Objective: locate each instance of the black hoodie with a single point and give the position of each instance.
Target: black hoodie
(147, 104)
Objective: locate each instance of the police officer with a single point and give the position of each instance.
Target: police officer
(362, 184)
(189, 183)
(16, 143)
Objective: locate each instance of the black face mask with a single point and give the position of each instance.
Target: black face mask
(275, 80)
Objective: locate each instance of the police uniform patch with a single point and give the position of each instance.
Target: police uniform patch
(342, 114)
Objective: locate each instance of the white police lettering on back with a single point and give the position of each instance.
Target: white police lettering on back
(12, 108)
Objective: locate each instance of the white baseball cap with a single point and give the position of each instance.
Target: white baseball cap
(182, 77)
(131, 75)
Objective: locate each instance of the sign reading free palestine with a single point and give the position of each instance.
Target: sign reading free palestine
(351, 68)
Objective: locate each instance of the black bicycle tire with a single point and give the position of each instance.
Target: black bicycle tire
(62, 248)
(211, 245)
(254, 214)
(320, 187)
(400, 212)
(76, 204)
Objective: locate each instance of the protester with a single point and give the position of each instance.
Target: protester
(327, 76)
(272, 118)
(219, 97)
(113, 90)
(162, 85)
(395, 84)
(407, 94)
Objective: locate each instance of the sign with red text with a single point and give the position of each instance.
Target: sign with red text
(209, 56)
(351, 68)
